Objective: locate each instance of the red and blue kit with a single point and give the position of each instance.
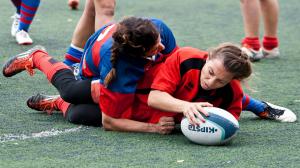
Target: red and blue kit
(180, 77)
(118, 96)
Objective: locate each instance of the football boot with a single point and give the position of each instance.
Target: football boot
(23, 38)
(277, 113)
(21, 62)
(252, 54)
(274, 53)
(45, 103)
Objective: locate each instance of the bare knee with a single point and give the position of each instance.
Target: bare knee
(89, 9)
(105, 7)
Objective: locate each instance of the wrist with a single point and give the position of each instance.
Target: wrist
(152, 128)
(182, 106)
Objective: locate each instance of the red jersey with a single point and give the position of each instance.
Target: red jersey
(180, 77)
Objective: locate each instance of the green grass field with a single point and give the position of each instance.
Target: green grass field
(32, 139)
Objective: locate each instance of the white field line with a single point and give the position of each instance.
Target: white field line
(13, 137)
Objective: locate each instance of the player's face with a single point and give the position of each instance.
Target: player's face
(158, 47)
(214, 75)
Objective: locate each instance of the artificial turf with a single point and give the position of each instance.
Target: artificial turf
(200, 24)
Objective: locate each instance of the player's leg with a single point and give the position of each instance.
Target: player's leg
(84, 29)
(266, 110)
(28, 10)
(72, 90)
(59, 74)
(270, 13)
(104, 12)
(251, 18)
(84, 114)
(16, 17)
(17, 4)
(96, 14)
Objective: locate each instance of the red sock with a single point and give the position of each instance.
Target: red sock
(270, 42)
(252, 42)
(47, 64)
(62, 105)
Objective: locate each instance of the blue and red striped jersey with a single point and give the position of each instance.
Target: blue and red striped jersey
(95, 64)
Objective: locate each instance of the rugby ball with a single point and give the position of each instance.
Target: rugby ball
(220, 127)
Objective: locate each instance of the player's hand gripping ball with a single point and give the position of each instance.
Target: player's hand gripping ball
(220, 127)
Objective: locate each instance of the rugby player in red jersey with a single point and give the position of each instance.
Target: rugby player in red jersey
(186, 82)
(191, 76)
(183, 86)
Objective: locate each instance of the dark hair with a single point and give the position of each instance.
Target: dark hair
(134, 37)
(234, 59)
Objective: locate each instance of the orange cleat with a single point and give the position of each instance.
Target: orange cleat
(73, 4)
(45, 103)
(21, 62)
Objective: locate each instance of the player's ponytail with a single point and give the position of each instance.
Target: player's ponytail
(112, 73)
(234, 60)
(133, 38)
(110, 76)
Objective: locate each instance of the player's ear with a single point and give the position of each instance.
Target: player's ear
(208, 58)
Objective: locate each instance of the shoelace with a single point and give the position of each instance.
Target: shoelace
(45, 106)
(274, 113)
(29, 68)
(16, 20)
(50, 110)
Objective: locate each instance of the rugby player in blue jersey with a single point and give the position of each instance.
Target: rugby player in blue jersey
(124, 50)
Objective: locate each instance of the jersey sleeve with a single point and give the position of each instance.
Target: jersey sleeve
(235, 108)
(168, 77)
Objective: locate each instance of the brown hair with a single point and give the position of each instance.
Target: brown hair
(234, 59)
(134, 37)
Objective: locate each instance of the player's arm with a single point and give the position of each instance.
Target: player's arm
(115, 106)
(166, 102)
(164, 126)
(165, 84)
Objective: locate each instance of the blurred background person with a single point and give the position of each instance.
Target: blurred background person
(253, 11)
(96, 14)
(22, 19)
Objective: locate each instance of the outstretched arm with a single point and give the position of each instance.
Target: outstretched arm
(164, 101)
(164, 126)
